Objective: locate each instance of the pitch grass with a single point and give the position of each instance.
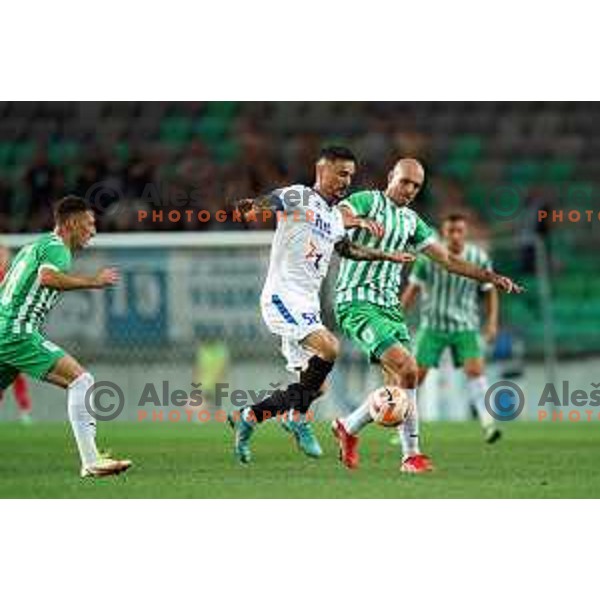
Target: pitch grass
(195, 461)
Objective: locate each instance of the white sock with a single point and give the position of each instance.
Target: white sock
(476, 390)
(356, 420)
(409, 430)
(82, 423)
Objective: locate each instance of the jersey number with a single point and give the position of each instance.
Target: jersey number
(310, 318)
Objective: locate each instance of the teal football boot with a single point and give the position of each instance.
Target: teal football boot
(304, 434)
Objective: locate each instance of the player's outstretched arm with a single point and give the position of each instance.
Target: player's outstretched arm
(490, 327)
(64, 282)
(348, 249)
(454, 264)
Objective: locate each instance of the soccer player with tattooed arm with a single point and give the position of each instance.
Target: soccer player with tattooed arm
(368, 309)
(309, 229)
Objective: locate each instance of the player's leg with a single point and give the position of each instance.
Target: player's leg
(382, 334)
(400, 369)
(468, 353)
(7, 375)
(299, 396)
(68, 374)
(22, 398)
(429, 346)
(45, 361)
(290, 321)
(321, 343)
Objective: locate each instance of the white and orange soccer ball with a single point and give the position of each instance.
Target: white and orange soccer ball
(389, 406)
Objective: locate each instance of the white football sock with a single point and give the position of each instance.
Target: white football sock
(356, 420)
(82, 422)
(476, 390)
(409, 430)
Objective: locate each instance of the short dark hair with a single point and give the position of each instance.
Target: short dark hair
(454, 217)
(337, 153)
(67, 206)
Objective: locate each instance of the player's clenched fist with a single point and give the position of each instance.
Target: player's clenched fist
(107, 277)
(505, 284)
(246, 205)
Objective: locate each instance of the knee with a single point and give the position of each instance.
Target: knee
(421, 374)
(403, 366)
(84, 380)
(473, 370)
(330, 349)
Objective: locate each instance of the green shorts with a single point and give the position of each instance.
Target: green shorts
(29, 353)
(430, 345)
(374, 329)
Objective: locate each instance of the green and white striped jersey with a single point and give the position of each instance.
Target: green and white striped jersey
(379, 282)
(24, 303)
(449, 302)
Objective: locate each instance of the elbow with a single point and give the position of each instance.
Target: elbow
(47, 279)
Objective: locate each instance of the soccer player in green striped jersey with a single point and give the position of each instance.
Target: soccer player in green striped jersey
(450, 316)
(32, 287)
(368, 309)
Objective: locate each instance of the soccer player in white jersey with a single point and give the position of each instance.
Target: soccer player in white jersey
(368, 309)
(450, 317)
(309, 228)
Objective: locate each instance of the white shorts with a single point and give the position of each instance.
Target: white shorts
(292, 319)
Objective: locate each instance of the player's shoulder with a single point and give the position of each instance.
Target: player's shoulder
(366, 194)
(295, 189)
(477, 253)
(412, 214)
(362, 199)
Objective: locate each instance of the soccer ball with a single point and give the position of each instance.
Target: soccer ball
(389, 406)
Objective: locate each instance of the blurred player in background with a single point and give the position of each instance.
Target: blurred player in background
(450, 317)
(300, 255)
(368, 309)
(211, 368)
(31, 288)
(20, 387)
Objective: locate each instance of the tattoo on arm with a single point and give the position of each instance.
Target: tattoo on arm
(348, 249)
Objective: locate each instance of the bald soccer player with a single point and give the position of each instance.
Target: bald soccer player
(367, 305)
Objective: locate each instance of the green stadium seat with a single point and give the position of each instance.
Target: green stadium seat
(225, 110)
(122, 151)
(225, 151)
(176, 129)
(6, 153)
(466, 148)
(212, 130)
(524, 172)
(557, 171)
(460, 169)
(63, 152)
(24, 152)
